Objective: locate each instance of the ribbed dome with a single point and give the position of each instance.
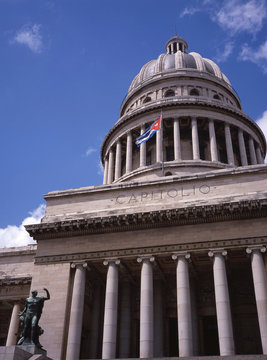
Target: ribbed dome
(177, 60)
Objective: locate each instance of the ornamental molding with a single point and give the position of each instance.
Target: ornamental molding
(150, 252)
(15, 281)
(190, 215)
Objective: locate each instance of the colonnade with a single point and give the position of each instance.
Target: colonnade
(113, 160)
(150, 298)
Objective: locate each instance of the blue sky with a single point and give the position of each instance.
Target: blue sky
(66, 65)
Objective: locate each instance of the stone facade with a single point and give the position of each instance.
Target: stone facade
(165, 259)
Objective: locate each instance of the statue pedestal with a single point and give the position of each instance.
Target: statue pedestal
(22, 352)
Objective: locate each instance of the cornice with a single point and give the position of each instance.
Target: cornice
(198, 214)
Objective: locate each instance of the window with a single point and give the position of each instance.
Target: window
(169, 153)
(194, 92)
(148, 158)
(216, 97)
(147, 99)
(168, 173)
(169, 93)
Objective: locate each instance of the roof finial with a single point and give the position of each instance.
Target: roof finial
(175, 30)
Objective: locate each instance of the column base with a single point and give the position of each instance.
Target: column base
(22, 352)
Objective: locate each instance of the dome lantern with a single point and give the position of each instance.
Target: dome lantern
(176, 44)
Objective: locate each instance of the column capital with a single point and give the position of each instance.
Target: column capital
(149, 258)
(84, 264)
(250, 249)
(178, 255)
(214, 252)
(111, 261)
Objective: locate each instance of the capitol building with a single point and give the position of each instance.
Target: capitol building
(168, 257)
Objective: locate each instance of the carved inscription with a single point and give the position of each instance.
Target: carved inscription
(179, 192)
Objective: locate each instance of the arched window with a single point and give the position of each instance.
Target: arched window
(147, 99)
(168, 173)
(194, 92)
(216, 97)
(169, 93)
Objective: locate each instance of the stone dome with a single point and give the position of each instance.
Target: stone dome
(177, 59)
(203, 126)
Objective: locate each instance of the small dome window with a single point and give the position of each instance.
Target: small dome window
(147, 99)
(169, 93)
(216, 97)
(168, 173)
(194, 92)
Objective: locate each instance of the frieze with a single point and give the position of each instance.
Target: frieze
(165, 249)
(152, 219)
(179, 192)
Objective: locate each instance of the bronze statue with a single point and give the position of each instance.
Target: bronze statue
(29, 318)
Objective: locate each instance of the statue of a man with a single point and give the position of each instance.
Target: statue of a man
(30, 317)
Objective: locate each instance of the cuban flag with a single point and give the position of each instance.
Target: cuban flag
(149, 132)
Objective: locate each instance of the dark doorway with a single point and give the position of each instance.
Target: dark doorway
(173, 337)
(210, 335)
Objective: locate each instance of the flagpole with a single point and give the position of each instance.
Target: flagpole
(162, 147)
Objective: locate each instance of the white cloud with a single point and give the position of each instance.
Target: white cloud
(90, 151)
(100, 169)
(227, 51)
(14, 235)
(240, 15)
(257, 56)
(262, 122)
(189, 11)
(31, 37)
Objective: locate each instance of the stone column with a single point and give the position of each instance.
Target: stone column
(213, 143)
(118, 160)
(146, 308)
(125, 321)
(95, 322)
(158, 146)
(129, 153)
(260, 288)
(76, 312)
(223, 309)
(142, 149)
(177, 140)
(229, 145)
(195, 142)
(242, 148)
(105, 181)
(111, 310)
(110, 166)
(158, 319)
(252, 151)
(184, 316)
(260, 159)
(13, 326)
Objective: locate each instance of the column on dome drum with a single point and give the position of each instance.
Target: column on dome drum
(129, 152)
(110, 166)
(142, 149)
(252, 151)
(105, 181)
(213, 142)
(195, 142)
(177, 140)
(229, 145)
(118, 160)
(242, 148)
